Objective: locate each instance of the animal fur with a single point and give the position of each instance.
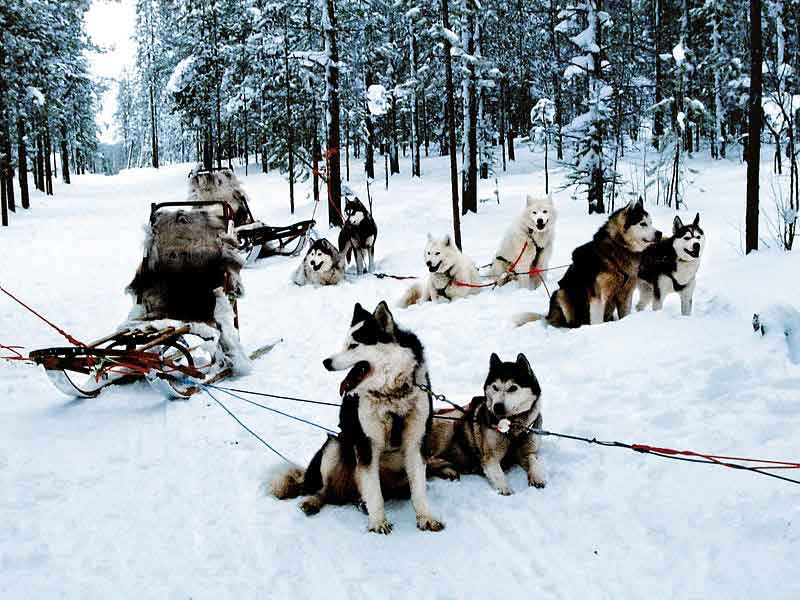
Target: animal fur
(358, 234)
(604, 272)
(446, 267)
(475, 443)
(187, 255)
(535, 226)
(220, 186)
(384, 420)
(670, 266)
(322, 265)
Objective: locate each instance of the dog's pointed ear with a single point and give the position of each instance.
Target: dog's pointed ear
(696, 221)
(447, 241)
(359, 314)
(677, 224)
(384, 317)
(522, 363)
(494, 361)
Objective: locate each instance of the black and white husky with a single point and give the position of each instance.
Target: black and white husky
(671, 266)
(357, 237)
(322, 265)
(495, 429)
(385, 420)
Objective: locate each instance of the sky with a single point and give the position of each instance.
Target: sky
(110, 24)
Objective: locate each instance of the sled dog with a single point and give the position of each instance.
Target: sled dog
(671, 266)
(384, 420)
(447, 269)
(220, 185)
(494, 431)
(357, 237)
(322, 265)
(603, 273)
(535, 227)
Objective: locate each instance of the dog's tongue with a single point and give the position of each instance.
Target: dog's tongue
(356, 375)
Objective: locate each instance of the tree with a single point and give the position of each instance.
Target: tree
(754, 128)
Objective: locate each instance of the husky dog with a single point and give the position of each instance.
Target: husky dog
(322, 265)
(220, 185)
(671, 266)
(494, 432)
(534, 227)
(358, 234)
(188, 254)
(447, 267)
(384, 420)
(603, 273)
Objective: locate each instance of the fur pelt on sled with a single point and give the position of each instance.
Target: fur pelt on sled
(220, 186)
(187, 255)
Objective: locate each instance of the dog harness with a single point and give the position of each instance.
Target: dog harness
(443, 291)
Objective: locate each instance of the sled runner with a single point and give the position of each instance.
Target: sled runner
(183, 330)
(256, 239)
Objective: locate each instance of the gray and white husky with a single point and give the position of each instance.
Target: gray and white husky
(494, 431)
(322, 265)
(530, 238)
(357, 237)
(384, 420)
(671, 266)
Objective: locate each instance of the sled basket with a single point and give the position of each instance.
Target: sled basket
(257, 240)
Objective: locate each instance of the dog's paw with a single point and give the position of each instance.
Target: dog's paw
(311, 506)
(505, 278)
(450, 473)
(428, 523)
(504, 491)
(383, 527)
(537, 482)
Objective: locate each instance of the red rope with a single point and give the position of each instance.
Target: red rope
(717, 458)
(66, 335)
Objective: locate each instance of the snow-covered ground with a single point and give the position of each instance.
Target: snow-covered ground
(128, 495)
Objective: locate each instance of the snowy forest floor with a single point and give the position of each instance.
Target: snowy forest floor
(129, 495)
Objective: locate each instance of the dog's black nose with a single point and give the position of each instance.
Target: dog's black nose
(696, 247)
(540, 223)
(499, 408)
(328, 364)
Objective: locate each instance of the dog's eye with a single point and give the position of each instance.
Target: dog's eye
(495, 388)
(352, 346)
(512, 389)
(688, 238)
(643, 224)
(438, 253)
(544, 212)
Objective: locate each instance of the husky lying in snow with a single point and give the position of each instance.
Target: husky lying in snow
(384, 422)
(534, 227)
(671, 266)
(220, 186)
(446, 267)
(494, 431)
(604, 272)
(322, 265)
(357, 237)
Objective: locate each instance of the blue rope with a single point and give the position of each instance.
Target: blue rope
(250, 431)
(275, 410)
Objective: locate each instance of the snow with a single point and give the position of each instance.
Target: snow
(679, 53)
(128, 495)
(377, 99)
(178, 79)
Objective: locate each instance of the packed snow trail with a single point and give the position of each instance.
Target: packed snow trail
(127, 495)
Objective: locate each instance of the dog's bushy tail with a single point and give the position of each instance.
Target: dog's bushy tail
(411, 296)
(287, 483)
(521, 319)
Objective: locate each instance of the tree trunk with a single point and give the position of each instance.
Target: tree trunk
(22, 160)
(333, 157)
(64, 155)
(658, 116)
(469, 168)
(754, 129)
(556, 78)
(48, 173)
(451, 125)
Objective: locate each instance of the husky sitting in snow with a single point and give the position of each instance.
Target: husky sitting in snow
(384, 420)
(671, 266)
(536, 227)
(447, 269)
(494, 431)
(220, 185)
(322, 265)
(357, 237)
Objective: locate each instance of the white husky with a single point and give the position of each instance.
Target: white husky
(534, 227)
(448, 271)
